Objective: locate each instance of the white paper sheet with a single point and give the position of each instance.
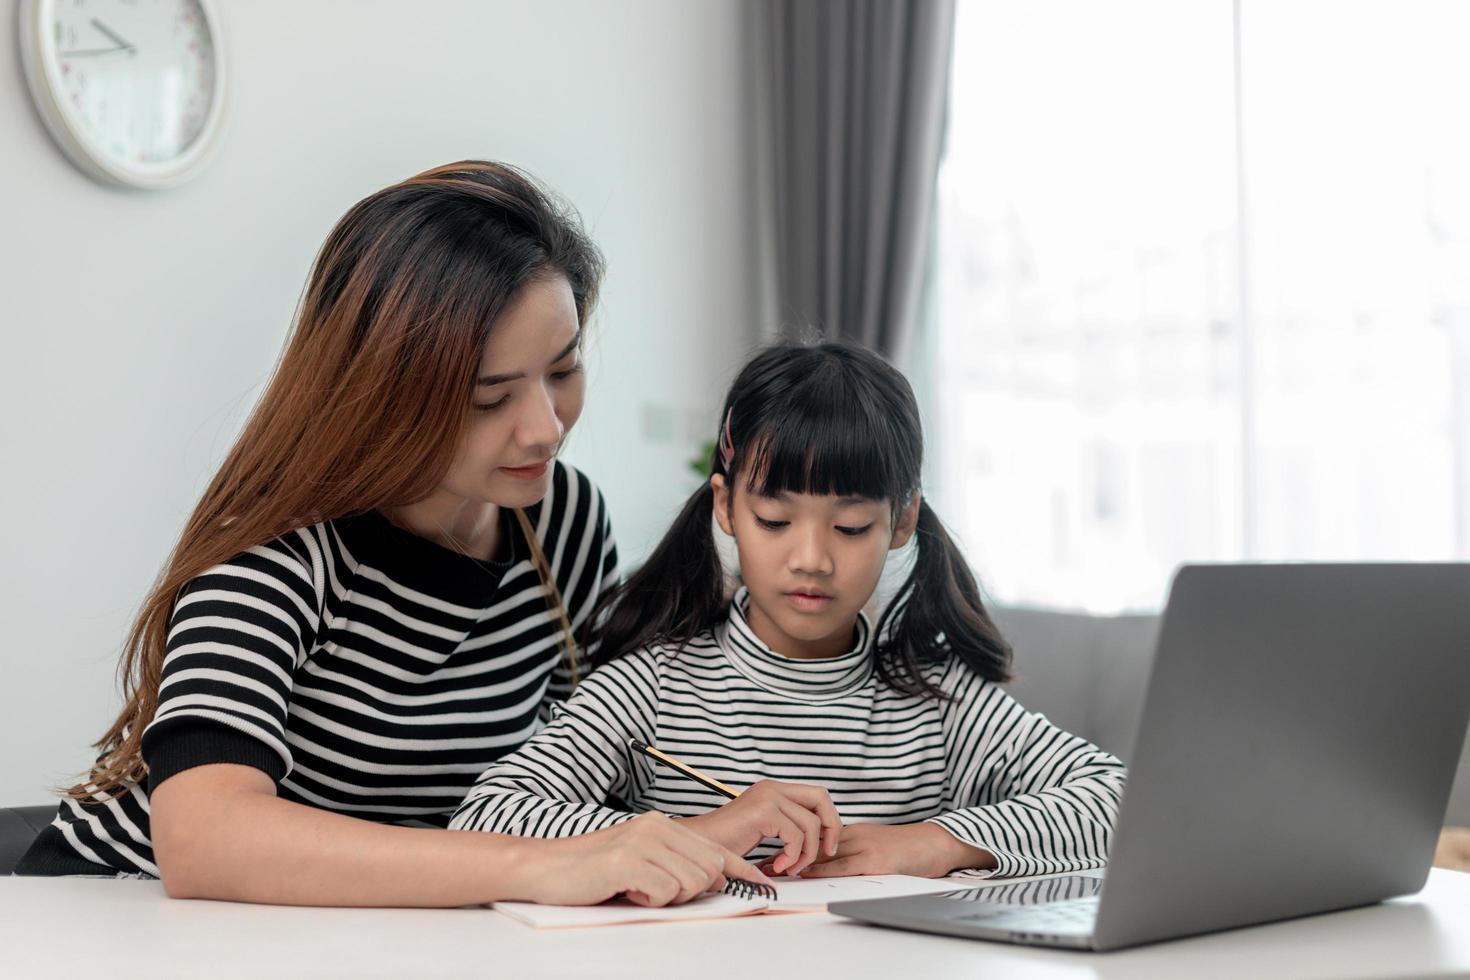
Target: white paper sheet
(792, 895)
(815, 893)
(620, 912)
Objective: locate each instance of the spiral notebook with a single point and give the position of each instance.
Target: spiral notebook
(791, 895)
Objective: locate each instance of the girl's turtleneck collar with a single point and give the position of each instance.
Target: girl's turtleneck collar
(815, 680)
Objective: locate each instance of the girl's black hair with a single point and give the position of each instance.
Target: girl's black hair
(825, 418)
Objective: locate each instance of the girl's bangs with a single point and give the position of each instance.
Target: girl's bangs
(848, 451)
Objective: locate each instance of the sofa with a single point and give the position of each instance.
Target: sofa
(1088, 674)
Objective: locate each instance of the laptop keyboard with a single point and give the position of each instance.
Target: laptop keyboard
(1072, 916)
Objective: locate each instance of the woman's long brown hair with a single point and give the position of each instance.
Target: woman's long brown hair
(369, 401)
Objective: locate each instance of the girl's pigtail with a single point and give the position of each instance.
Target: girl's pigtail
(678, 593)
(939, 614)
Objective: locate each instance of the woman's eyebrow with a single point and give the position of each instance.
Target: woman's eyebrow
(487, 380)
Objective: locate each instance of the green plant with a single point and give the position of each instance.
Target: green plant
(703, 463)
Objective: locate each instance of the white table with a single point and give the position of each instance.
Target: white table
(131, 929)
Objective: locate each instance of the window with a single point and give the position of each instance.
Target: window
(1202, 287)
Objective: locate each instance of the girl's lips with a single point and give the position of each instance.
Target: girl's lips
(525, 472)
(808, 601)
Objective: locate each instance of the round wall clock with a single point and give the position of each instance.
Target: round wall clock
(131, 90)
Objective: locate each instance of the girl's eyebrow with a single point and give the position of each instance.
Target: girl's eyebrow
(851, 500)
(500, 379)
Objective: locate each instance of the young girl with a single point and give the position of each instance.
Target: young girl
(862, 749)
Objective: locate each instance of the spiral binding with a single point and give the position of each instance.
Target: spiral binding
(749, 889)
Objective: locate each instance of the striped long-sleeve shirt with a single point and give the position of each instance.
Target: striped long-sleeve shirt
(993, 774)
(366, 670)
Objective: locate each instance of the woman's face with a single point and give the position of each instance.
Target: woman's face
(528, 395)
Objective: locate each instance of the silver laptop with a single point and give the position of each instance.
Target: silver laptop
(1299, 736)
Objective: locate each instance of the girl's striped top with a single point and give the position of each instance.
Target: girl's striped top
(367, 670)
(978, 764)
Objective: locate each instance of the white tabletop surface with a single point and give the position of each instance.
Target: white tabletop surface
(131, 929)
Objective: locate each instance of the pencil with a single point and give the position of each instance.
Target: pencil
(709, 782)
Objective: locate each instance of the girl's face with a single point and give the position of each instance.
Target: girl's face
(529, 394)
(810, 561)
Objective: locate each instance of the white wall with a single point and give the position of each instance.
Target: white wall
(138, 328)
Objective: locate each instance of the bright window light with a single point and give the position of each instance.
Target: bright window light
(1202, 290)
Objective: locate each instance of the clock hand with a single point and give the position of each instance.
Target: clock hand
(93, 52)
(111, 36)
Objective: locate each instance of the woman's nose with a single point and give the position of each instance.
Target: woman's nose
(539, 426)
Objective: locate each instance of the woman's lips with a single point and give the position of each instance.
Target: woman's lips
(525, 472)
(809, 601)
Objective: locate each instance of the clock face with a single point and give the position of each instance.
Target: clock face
(135, 79)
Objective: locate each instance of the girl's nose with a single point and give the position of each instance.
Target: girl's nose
(811, 554)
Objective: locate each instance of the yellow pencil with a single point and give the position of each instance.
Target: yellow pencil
(709, 782)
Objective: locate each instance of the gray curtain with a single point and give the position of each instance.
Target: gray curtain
(851, 117)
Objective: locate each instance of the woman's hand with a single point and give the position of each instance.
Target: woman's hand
(801, 817)
(923, 849)
(651, 859)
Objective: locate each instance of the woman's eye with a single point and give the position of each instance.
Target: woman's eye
(770, 525)
(493, 405)
(572, 371)
(853, 532)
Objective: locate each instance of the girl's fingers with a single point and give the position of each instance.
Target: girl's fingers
(811, 830)
(782, 862)
(831, 837)
(844, 849)
(790, 835)
(836, 868)
(819, 801)
(841, 851)
(807, 835)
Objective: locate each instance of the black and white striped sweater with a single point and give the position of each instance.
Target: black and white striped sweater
(978, 764)
(367, 670)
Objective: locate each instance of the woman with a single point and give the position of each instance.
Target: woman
(378, 593)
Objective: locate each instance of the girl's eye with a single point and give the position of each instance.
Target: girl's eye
(770, 525)
(493, 405)
(853, 532)
(572, 371)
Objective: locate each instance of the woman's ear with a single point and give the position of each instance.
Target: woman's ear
(722, 502)
(908, 519)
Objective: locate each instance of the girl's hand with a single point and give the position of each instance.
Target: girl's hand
(923, 849)
(651, 859)
(802, 817)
